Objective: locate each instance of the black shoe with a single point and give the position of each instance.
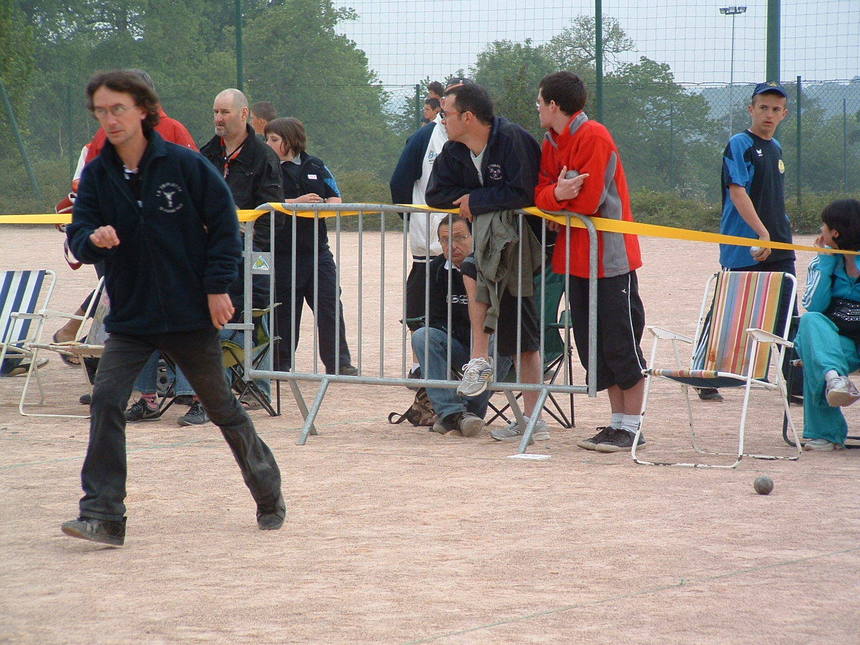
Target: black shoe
(89, 528)
(182, 399)
(86, 399)
(140, 411)
(348, 370)
(603, 432)
(709, 394)
(195, 416)
(272, 520)
(618, 441)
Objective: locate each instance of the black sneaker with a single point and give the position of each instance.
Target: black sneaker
(603, 432)
(89, 528)
(86, 399)
(271, 519)
(195, 416)
(618, 441)
(709, 394)
(141, 411)
(348, 370)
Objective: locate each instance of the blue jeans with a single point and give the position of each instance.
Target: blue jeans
(103, 475)
(147, 379)
(446, 401)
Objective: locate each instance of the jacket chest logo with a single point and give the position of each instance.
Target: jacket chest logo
(494, 172)
(169, 197)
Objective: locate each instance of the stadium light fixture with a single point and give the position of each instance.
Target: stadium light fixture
(732, 11)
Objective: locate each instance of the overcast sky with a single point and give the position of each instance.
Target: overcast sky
(406, 40)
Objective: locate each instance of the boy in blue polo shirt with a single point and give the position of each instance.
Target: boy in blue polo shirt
(753, 184)
(753, 187)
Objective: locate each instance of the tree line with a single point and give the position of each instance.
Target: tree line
(670, 136)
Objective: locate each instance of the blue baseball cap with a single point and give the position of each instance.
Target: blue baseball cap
(769, 86)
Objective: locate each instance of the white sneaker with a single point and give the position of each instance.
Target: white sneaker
(840, 391)
(513, 431)
(476, 374)
(821, 445)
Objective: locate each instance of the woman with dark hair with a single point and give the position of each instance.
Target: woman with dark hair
(830, 330)
(306, 179)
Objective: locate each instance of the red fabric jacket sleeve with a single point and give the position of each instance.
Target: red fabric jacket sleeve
(594, 161)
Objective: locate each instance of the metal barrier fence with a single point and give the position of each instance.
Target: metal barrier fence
(259, 262)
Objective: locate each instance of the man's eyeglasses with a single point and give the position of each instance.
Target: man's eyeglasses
(457, 238)
(116, 110)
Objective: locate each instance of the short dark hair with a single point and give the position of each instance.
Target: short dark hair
(291, 130)
(264, 110)
(471, 97)
(435, 87)
(566, 89)
(451, 219)
(843, 215)
(127, 82)
(433, 103)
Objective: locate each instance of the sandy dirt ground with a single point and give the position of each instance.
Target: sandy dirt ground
(399, 535)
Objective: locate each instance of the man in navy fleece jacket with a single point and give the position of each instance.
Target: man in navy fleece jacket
(163, 221)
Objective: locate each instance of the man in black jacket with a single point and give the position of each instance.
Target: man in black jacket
(489, 168)
(250, 168)
(449, 316)
(164, 224)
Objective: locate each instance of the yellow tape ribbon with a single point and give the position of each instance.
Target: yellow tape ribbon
(600, 223)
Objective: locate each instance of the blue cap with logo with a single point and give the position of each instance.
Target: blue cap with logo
(769, 86)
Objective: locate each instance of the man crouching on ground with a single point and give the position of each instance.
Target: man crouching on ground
(163, 221)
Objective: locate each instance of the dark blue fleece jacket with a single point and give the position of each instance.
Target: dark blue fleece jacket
(510, 168)
(178, 242)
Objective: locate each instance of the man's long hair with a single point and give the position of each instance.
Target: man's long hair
(127, 82)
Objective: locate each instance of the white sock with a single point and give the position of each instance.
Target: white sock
(617, 420)
(631, 422)
(829, 375)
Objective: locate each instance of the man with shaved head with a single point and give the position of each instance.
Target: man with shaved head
(252, 172)
(250, 168)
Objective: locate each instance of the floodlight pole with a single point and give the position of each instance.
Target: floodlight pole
(240, 58)
(732, 11)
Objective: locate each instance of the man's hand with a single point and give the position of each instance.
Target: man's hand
(220, 309)
(764, 252)
(568, 188)
(104, 237)
(463, 204)
(308, 198)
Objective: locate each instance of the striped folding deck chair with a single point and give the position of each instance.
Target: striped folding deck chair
(23, 295)
(741, 327)
(88, 344)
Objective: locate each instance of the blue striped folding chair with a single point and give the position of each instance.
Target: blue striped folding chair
(740, 325)
(24, 296)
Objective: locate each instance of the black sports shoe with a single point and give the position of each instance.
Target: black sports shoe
(709, 394)
(618, 441)
(603, 432)
(86, 399)
(89, 528)
(272, 519)
(195, 416)
(140, 411)
(348, 370)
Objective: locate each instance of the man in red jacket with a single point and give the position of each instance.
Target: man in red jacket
(581, 171)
